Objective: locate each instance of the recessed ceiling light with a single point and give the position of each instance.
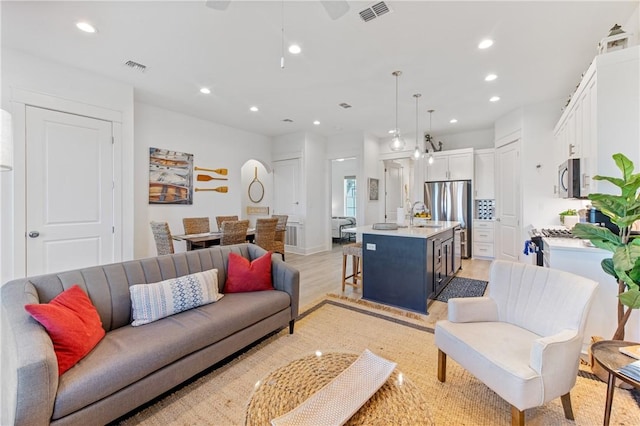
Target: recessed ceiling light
(317, 123)
(453, 121)
(294, 49)
(254, 109)
(490, 77)
(205, 90)
(494, 99)
(485, 43)
(86, 27)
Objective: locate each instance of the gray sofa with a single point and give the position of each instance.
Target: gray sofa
(131, 365)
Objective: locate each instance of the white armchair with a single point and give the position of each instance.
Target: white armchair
(524, 339)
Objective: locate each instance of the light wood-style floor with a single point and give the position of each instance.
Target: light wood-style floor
(321, 274)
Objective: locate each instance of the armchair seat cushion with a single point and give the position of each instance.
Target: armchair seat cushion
(498, 354)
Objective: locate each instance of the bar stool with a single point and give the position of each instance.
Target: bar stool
(355, 251)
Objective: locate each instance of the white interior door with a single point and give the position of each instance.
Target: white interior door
(508, 201)
(393, 190)
(69, 191)
(286, 188)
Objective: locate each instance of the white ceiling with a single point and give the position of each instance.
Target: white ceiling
(541, 49)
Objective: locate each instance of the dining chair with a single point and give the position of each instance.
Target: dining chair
(266, 234)
(220, 219)
(281, 229)
(234, 232)
(162, 237)
(196, 225)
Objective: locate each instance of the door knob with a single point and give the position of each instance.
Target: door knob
(34, 234)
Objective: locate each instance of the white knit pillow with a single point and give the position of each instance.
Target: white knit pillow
(150, 302)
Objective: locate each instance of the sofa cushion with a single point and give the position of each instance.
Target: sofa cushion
(150, 302)
(243, 275)
(73, 324)
(128, 353)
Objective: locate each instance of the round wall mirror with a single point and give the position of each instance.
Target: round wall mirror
(256, 189)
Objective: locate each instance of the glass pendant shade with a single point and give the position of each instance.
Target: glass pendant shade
(6, 142)
(416, 151)
(430, 158)
(397, 143)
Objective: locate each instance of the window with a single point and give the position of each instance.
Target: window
(350, 196)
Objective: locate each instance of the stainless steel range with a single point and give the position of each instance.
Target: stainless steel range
(536, 239)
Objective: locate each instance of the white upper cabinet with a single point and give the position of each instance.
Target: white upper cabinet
(484, 173)
(456, 164)
(601, 118)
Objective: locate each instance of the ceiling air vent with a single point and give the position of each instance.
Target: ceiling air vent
(136, 66)
(373, 11)
(345, 105)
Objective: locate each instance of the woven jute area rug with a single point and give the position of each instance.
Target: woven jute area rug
(221, 396)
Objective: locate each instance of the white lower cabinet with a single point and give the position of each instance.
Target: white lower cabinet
(483, 239)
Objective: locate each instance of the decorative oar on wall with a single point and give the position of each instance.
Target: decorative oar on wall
(205, 178)
(218, 171)
(222, 189)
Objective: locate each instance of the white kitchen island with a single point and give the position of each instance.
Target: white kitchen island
(577, 256)
(407, 266)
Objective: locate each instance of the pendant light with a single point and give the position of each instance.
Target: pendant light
(416, 151)
(397, 143)
(429, 136)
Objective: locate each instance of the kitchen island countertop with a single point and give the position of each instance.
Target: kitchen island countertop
(431, 228)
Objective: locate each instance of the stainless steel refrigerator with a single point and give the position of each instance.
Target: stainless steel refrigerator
(451, 200)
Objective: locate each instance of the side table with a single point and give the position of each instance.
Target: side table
(398, 401)
(607, 355)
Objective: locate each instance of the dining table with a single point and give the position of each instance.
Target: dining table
(207, 239)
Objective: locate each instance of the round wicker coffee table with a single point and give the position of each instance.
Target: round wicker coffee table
(397, 402)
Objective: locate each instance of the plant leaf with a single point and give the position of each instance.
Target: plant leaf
(624, 164)
(625, 257)
(630, 298)
(607, 267)
(600, 237)
(616, 181)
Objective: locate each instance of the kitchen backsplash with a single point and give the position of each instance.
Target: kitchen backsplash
(485, 209)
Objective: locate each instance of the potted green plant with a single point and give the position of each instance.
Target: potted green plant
(623, 210)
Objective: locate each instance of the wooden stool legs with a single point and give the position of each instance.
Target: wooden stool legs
(355, 251)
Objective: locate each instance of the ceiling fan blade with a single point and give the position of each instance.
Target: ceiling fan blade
(335, 9)
(217, 4)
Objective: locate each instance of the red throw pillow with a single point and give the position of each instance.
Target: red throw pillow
(73, 324)
(243, 276)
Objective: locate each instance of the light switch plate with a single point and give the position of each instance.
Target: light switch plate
(371, 246)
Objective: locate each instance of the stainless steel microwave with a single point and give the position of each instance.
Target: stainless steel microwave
(569, 179)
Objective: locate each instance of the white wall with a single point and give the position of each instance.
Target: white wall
(213, 146)
(372, 167)
(32, 74)
(317, 202)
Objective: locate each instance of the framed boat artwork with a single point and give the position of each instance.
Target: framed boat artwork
(170, 177)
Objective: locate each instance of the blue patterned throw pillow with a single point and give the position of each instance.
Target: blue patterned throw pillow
(150, 302)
